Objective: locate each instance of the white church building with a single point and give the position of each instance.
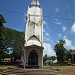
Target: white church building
(33, 47)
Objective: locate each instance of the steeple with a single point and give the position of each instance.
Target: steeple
(33, 53)
(35, 3)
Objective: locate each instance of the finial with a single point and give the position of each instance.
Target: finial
(35, 2)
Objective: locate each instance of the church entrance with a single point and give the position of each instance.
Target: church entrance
(33, 58)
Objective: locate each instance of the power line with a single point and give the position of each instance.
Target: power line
(59, 18)
(43, 16)
(12, 11)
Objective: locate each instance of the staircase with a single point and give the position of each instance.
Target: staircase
(30, 72)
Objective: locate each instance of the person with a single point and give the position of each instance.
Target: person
(21, 63)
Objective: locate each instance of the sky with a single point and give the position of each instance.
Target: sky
(59, 20)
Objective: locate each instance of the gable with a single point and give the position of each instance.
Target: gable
(33, 40)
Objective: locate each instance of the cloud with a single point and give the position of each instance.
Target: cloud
(24, 17)
(47, 37)
(47, 46)
(68, 6)
(44, 23)
(46, 33)
(47, 40)
(57, 9)
(68, 44)
(59, 35)
(64, 28)
(57, 21)
(48, 50)
(73, 28)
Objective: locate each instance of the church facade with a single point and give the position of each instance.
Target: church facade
(33, 48)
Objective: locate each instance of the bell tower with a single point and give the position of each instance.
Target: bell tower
(34, 36)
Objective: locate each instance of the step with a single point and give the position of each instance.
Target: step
(30, 72)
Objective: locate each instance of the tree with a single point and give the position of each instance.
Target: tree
(60, 51)
(18, 45)
(10, 40)
(14, 40)
(53, 58)
(45, 58)
(68, 54)
(2, 20)
(2, 49)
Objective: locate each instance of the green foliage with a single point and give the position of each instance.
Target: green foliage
(52, 58)
(2, 46)
(60, 51)
(45, 58)
(68, 54)
(2, 20)
(10, 39)
(13, 40)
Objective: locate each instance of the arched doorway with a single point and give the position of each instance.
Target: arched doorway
(33, 58)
